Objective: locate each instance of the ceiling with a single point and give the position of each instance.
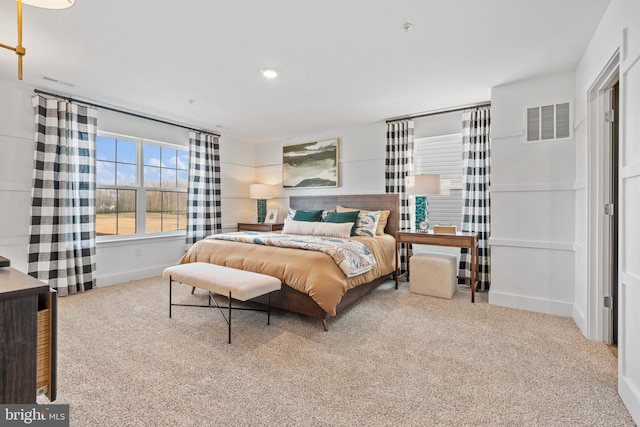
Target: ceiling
(340, 63)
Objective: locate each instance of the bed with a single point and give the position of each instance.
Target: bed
(319, 299)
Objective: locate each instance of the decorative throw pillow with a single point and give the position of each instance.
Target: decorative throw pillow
(311, 216)
(382, 220)
(291, 213)
(322, 229)
(367, 223)
(342, 217)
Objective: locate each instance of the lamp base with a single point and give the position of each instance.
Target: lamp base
(422, 214)
(262, 210)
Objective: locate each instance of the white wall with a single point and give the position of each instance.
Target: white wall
(116, 261)
(532, 202)
(16, 165)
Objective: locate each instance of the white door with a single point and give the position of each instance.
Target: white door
(629, 235)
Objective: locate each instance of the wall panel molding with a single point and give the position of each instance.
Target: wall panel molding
(518, 188)
(631, 170)
(507, 133)
(533, 244)
(7, 186)
(630, 280)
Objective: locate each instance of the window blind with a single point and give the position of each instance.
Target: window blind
(442, 155)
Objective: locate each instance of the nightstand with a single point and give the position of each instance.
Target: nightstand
(246, 226)
(459, 239)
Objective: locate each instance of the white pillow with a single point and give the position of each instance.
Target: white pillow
(322, 229)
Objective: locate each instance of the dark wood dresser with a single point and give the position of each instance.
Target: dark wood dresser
(28, 336)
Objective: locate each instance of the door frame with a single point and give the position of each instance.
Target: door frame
(599, 318)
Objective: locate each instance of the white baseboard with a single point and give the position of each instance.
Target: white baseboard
(113, 279)
(538, 305)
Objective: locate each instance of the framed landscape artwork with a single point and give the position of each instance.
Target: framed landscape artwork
(311, 164)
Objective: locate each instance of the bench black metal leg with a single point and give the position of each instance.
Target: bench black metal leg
(229, 318)
(211, 298)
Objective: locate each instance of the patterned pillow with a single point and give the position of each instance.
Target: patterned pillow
(367, 223)
(382, 218)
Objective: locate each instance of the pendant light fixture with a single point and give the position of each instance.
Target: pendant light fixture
(45, 4)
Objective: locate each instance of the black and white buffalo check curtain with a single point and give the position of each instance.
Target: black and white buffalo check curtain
(476, 173)
(203, 201)
(399, 164)
(62, 229)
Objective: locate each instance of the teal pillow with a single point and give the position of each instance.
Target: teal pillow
(341, 217)
(310, 216)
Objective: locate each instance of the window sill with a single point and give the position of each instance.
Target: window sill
(116, 240)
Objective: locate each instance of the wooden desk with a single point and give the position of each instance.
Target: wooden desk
(459, 240)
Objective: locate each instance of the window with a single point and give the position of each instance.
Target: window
(141, 187)
(442, 155)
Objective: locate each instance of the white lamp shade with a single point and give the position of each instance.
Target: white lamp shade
(50, 4)
(422, 185)
(260, 191)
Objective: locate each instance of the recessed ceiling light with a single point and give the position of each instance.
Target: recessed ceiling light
(269, 73)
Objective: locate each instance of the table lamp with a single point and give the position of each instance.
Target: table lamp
(420, 186)
(261, 192)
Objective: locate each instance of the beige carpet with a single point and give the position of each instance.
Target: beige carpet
(393, 359)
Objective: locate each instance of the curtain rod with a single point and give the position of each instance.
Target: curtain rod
(128, 113)
(441, 111)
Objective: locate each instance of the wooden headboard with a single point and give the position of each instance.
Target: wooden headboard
(372, 202)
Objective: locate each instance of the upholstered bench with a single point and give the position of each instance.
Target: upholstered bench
(237, 284)
(433, 274)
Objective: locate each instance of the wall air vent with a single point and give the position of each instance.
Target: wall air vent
(549, 122)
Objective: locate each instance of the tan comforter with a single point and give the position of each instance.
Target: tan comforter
(311, 272)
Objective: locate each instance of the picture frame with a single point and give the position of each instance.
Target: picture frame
(311, 164)
(272, 216)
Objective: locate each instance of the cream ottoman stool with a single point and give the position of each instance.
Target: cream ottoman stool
(433, 274)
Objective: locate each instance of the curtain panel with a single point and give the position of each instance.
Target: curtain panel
(476, 211)
(62, 227)
(399, 164)
(203, 199)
